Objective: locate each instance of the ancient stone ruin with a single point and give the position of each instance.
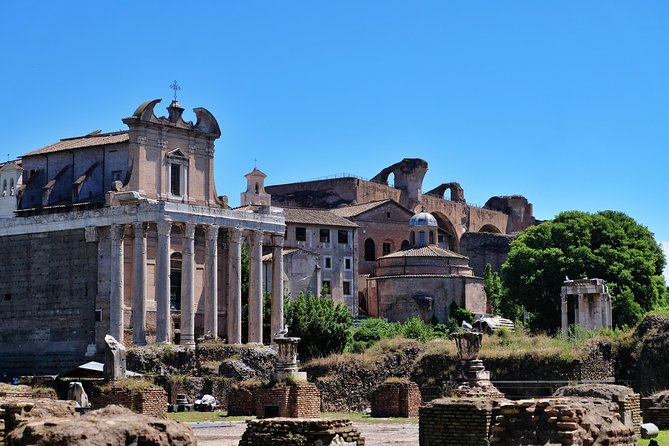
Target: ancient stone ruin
(656, 409)
(289, 432)
(114, 367)
(111, 425)
(396, 398)
(470, 378)
(586, 302)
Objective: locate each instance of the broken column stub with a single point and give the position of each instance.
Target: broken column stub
(287, 364)
(114, 367)
(470, 376)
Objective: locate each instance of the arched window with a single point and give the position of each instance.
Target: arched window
(11, 186)
(405, 245)
(370, 250)
(4, 187)
(431, 237)
(421, 238)
(412, 236)
(257, 189)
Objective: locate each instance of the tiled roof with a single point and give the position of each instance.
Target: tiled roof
(91, 140)
(424, 251)
(284, 252)
(318, 217)
(357, 209)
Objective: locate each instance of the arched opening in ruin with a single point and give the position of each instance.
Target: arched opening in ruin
(405, 245)
(390, 181)
(370, 250)
(490, 228)
(447, 237)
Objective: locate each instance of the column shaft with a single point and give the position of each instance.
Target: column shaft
(116, 294)
(188, 287)
(211, 290)
(163, 320)
(565, 313)
(235, 283)
(139, 285)
(277, 285)
(255, 288)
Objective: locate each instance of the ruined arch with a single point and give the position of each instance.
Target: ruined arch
(457, 192)
(447, 236)
(490, 228)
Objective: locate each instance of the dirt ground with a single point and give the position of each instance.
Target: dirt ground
(228, 433)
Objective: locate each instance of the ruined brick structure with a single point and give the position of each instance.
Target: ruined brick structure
(146, 400)
(655, 409)
(455, 422)
(289, 432)
(289, 400)
(396, 399)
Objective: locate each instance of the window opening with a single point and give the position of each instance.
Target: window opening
(301, 234)
(370, 250)
(346, 286)
(342, 236)
(325, 235)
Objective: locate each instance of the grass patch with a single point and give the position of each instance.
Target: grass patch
(662, 439)
(204, 417)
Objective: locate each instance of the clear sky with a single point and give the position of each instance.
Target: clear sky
(564, 102)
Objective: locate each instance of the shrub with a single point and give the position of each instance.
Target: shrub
(324, 328)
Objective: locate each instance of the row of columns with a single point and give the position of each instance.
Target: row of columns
(599, 315)
(163, 265)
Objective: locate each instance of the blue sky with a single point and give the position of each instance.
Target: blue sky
(564, 102)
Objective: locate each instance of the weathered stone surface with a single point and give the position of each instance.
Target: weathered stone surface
(114, 367)
(293, 432)
(113, 425)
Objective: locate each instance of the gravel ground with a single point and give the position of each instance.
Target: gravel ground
(228, 433)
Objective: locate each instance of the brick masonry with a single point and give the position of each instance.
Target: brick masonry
(655, 409)
(50, 287)
(396, 399)
(295, 400)
(149, 400)
(240, 401)
(290, 432)
(455, 422)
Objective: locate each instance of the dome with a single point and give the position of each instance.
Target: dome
(423, 219)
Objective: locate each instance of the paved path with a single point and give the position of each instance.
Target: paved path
(228, 433)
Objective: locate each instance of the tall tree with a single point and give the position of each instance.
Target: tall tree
(608, 245)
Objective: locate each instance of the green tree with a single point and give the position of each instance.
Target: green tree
(494, 289)
(608, 245)
(323, 326)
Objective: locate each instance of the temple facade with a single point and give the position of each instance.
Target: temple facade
(123, 233)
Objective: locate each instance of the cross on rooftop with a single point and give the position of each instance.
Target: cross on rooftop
(176, 87)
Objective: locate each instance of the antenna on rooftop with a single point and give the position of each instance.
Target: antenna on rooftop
(176, 87)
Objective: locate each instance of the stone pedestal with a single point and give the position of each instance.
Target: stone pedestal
(470, 376)
(287, 365)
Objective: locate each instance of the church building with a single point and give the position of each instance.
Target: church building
(123, 233)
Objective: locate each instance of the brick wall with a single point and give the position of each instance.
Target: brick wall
(295, 400)
(47, 302)
(149, 400)
(240, 401)
(655, 409)
(396, 399)
(455, 422)
(289, 432)
(566, 421)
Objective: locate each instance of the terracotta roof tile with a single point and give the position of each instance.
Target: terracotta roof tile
(424, 251)
(318, 217)
(92, 140)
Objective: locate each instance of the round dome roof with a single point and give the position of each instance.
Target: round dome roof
(423, 219)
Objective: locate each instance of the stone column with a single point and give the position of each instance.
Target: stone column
(277, 284)
(255, 288)
(580, 312)
(139, 285)
(211, 290)
(235, 283)
(596, 316)
(565, 311)
(116, 292)
(163, 320)
(188, 287)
